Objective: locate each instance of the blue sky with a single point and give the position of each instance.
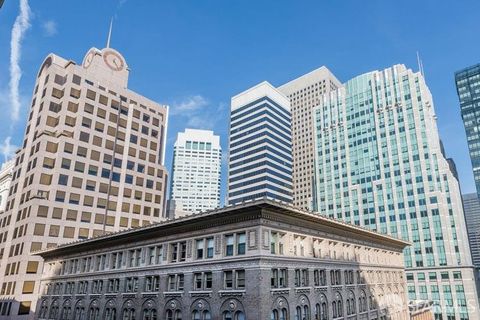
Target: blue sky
(194, 55)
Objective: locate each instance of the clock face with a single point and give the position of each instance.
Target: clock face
(113, 60)
(88, 59)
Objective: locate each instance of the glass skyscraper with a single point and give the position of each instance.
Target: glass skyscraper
(260, 159)
(468, 89)
(471, 205)
(379, 164)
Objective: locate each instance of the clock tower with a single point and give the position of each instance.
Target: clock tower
(107, 64)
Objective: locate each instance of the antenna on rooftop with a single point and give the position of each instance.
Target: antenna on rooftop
(420, 65)
(109, 33)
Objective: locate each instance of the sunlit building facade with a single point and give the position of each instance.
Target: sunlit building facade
(91, 162)
(196, 171)
(379, 164)
(260, 148)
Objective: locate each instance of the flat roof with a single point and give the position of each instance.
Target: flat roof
(281, 208)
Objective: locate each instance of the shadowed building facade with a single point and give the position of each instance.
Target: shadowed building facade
(261, 260)
(468, 90)
(91, 162)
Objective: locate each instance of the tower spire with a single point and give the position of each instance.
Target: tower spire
(109, 33)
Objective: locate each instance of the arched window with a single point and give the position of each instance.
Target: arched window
(173, 315)
(128, 313)
(371, 303)
(54, 310)
(337, 306)
(94, 313)
(227, 315)
(207, 315)
(274, 315)
(351, 303)
(298, 313)
(323, 308)
(149, 314)
(317, 312)
(110, 311)
(79, 311)
(284, 314)
(239, 315)
(306, 313)
(43, 309)
(362, 302)
(196, 315)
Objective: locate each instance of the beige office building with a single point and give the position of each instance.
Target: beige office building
(92, 162)
(6, 171)
(304, 94)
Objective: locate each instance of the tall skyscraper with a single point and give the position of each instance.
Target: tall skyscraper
(379, 164)
(6, 171)
(260, 159)
(304, 94)
(91, 162)
(468, 89)
(196, 170)
(471, 205)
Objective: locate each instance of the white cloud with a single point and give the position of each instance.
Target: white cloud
(7, 149)
(188, 105)
(195, 112)
(49, 28)
(22, 23)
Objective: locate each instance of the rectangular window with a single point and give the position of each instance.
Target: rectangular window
(200, 245)
(229, 245)
(209, 247)
(240, 243)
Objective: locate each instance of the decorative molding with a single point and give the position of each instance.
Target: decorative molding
(282, 291)
(231, 293)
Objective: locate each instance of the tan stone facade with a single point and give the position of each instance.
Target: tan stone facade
(260, 260)
(91, 163)
(304, 94)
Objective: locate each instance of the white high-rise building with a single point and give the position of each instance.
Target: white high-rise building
(260, 159)
(196, 171)
(6, 172)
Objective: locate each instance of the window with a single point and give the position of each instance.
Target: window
(63, 180)
(131, 284)
(202, 281)
(175, 282)
(229, 245)
(152, 283)
(278, 278)
(301, 277)
(234, 279)
(240, 243)
(200, 248)
(209, 247)
(178, 251)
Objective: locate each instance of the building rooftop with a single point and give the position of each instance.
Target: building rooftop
(196, 220)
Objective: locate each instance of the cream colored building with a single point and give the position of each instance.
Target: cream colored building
(91, 162)
(256, 260)
(6, 171)
(304, 94)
